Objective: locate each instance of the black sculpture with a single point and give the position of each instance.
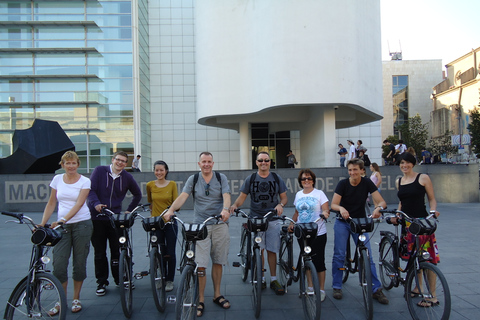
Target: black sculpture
(37, 149)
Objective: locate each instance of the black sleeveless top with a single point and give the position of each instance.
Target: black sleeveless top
(412, 197)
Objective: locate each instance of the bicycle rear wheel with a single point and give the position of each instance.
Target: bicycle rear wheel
(311, 300)
(347, 263)
(365, 275)
(46, 292)
(125, 276)
(424, 287)
(388, 274)
(285, 262)
(187, 294)
(157, 279)
(257, 282)
(244, 253)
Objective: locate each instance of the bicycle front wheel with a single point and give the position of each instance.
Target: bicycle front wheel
(125, 275)
(187, 295)
(285, 263)
(427, 293)
(257, 282)
(244, 252)
(45, 295)
(310, 291)
(388, 274)
(366, 283)
(157, 279)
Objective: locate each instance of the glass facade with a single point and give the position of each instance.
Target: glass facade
(400, 101)
(73, 62)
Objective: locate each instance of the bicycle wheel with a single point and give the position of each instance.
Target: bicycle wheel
(45, 293)
(311, 300)
(125, 275)
(157, 279)
(257, 282)
(388, 274)
(187, 294)
(244, 252)
(365, 275)
(285, 262)
(427, 284)
(346, 263)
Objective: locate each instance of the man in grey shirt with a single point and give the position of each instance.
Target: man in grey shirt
(264, 188)
(211, 196)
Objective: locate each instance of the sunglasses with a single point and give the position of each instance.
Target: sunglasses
(207, 191)
(305, 179)
(262, 160)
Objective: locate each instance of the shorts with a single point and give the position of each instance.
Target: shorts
(271, 237)
(216, 246)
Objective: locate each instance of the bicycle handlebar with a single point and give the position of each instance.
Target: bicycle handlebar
(398, 213)
(217, 217)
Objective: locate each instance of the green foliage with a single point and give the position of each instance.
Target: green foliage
(414, 133)
(443, 145)
(474, 129)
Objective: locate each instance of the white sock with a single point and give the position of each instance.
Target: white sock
(273, 278)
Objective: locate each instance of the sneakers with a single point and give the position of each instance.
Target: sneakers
(101, 289)
(378, 295)
(169, 286)
(277, 287)
(337, 294)
(322, 295)
(264, 284)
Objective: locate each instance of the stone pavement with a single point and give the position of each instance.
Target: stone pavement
(455, 234)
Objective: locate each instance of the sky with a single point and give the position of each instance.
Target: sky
(430, 29)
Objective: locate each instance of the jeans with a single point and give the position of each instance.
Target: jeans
(342, 235)
(103, 231)
(342, 162)
(167, 238)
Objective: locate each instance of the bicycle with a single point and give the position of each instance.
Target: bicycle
(250, 255)
(360, 262)
(423, 281)
(187, 292)
(123, 223)
(40, 294)
(305, 269)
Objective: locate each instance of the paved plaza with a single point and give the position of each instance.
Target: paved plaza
(458, 227)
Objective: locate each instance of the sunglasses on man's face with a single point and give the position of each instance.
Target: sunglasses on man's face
(262, 160)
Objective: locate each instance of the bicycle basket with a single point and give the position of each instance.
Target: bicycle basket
(46, 237)
(306, 230)
(422, 227)
(257, 224)
(194, 231)
(362, 225)
(153, 223)
(124, 220)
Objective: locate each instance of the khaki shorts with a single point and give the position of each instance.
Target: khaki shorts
(271, 237)
(216, 246)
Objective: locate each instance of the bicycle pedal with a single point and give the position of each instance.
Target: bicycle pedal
(236, 264)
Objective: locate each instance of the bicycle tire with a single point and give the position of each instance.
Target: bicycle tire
(187, 295)
(346, 263)
(257, 282)
(285, 263)
(157, 279)
(244, 253)
(429, 287)
(311, 301)
(125, 276)
(388, 274)
(365, 276)
(46, 291)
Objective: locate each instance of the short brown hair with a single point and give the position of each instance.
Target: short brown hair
(120, 153)
(306, 172)
(205, 153)
(356, 162)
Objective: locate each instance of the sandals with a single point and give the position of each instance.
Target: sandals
(76, 306)
(200, 309)
(221, 301)
(428, 304)
(55, 310)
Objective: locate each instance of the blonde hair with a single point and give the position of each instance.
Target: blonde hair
(69, 155)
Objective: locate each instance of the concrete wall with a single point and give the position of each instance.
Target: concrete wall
(452, 184)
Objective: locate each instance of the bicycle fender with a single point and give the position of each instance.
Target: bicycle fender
(388, 234)
(19, 284)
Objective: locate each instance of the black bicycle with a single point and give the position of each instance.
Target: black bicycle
(39, 295)
(426, 289)
(305, 269)
(360, 261)
(250, 255)
(187, 292)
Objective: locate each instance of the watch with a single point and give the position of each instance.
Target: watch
(282, 204)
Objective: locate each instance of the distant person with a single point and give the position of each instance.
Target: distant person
(360, 147)
(426, 156)
(376, 177)
(291, 160)
(390, 154)
(110, 185)
(343, 154)
(401, 147)
(351, 150)
(71, 190)
(136, 164)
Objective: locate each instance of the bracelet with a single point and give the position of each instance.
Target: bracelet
(225, 208)
(65, 220)
(282, 204)
(381, 208)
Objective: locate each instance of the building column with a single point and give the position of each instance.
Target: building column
(245, 145)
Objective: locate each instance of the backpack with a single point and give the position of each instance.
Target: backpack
(195, 180)
(252, 179)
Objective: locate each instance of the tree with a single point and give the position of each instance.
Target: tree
(474, 129)
(443, 145)
(414, 133)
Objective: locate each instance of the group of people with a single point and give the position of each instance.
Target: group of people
(354, 152)
(81, 200)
